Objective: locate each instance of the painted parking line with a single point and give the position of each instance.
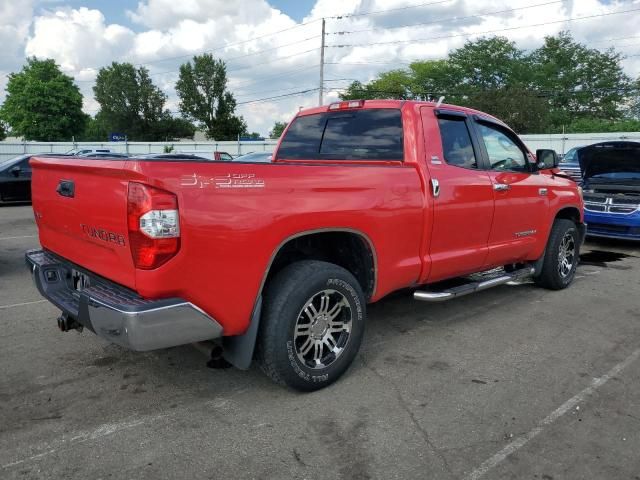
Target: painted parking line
(104, 431)
(19, 236)
(13, 305)
(520, 442)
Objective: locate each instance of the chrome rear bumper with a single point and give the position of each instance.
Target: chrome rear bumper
(116, 313)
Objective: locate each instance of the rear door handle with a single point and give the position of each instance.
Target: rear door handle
(66, 188)
(501, 187)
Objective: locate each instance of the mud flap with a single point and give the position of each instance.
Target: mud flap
(238, 349)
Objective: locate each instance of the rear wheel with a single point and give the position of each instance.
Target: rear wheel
(561, 256)
(312, 325)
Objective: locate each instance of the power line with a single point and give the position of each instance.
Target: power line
(271, 61)
(571, 19)
(349, 15)
(153, 74)
(450, 19)
(151, 62)
(538, 93)
(290, 73)
(272, 90)
(259, 100)
(370, 63)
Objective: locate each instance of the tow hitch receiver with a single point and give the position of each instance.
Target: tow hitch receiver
(66, 323)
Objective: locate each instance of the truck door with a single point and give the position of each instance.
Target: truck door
(521, 200)
(462, 195)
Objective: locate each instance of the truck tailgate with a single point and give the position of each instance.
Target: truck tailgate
(80, 207)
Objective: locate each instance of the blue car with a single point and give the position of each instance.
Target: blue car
(611, 186)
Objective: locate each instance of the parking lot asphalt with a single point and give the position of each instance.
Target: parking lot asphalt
(510, 383)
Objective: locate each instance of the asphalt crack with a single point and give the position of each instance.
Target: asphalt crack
(405, 406)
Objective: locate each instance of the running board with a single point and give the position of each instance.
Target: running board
(472, 287)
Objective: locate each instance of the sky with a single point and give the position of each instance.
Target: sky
(272, 47)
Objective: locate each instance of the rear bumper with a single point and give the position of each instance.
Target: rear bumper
(116, 313)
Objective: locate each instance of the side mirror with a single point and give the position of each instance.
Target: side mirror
(15, 171)
(546, 158)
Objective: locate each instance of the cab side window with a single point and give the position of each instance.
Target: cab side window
(504, 153)
(457, 148)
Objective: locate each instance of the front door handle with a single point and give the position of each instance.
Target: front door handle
(435, 187)
(501, 187)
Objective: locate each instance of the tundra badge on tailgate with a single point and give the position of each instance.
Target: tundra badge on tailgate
(230, 180)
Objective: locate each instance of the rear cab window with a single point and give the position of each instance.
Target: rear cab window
(358, 134)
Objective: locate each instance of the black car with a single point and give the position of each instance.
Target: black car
(15, 178)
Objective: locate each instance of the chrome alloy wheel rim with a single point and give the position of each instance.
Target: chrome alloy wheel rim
(566, 255)
(323, 329)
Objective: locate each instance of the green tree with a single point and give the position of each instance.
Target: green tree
(277, 129)
(393, 84)
(432, 79)
(496, 77)
(579, 82)
(634, 107)
(204, 98)
(171, 128)
(42, 103)
(3, 130)
(130, 103)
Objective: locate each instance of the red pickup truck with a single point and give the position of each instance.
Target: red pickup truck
(279, 260)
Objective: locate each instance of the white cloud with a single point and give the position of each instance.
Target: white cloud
(14, 29)
(81, 40)
(78, 39)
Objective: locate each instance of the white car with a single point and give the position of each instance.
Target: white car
(85, 151)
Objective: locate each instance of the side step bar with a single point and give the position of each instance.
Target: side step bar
(472, 287)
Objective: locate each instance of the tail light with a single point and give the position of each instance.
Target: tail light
(154, 225)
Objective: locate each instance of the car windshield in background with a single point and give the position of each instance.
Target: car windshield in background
(570, 156)
(10, 161)
(371, 134)
(103, 155)
(170, 156)
(257, 157)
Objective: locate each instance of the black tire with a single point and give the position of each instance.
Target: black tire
(553, 275)
(280, 346)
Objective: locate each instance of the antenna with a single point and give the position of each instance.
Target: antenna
(440, 100)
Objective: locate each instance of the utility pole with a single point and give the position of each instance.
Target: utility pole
(320, 99)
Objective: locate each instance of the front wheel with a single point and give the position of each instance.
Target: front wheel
(561, 256)
(312, 325)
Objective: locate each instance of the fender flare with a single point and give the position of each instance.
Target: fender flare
(238, 349)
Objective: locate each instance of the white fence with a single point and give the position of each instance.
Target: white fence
(560, 143)
(12, 149)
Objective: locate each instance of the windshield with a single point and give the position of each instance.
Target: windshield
(570, 156)
(254, 157)
(11, 161)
